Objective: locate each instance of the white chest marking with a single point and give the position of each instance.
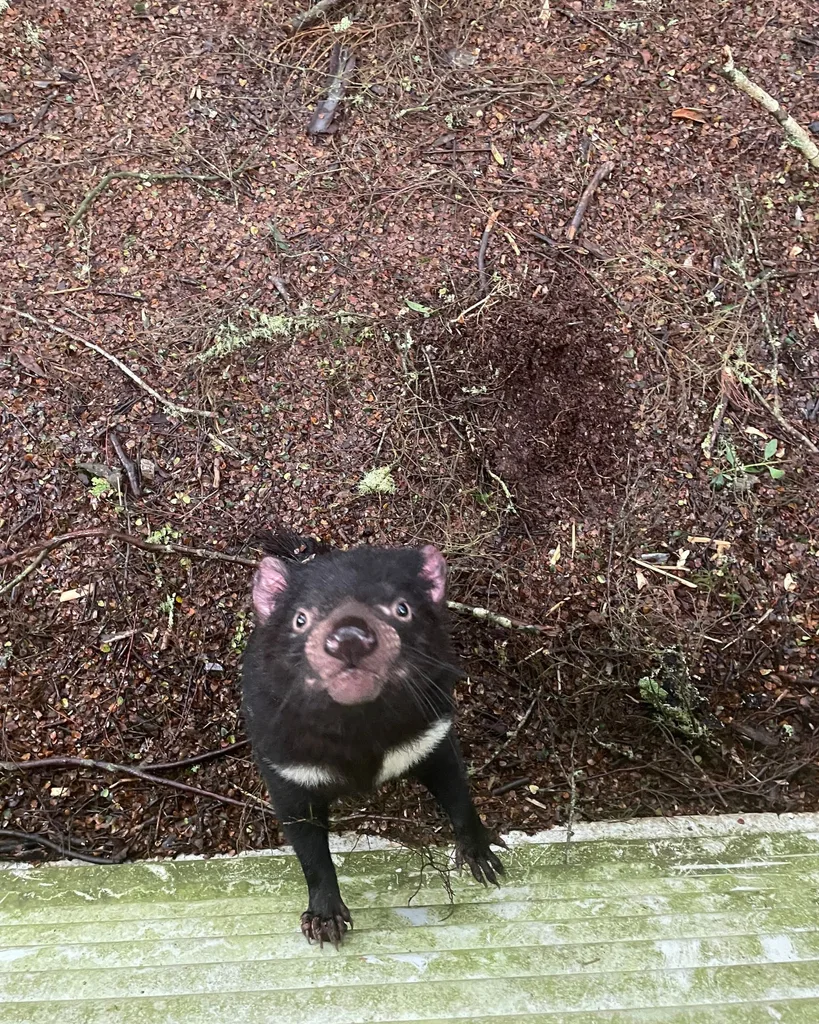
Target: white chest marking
(403, 757)
(307, 775)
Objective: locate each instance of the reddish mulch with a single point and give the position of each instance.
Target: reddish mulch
(550, 374)
(546, 437)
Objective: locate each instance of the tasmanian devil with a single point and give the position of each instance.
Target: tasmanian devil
(347, 682)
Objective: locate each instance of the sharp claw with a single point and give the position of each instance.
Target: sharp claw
(489, 874)
(496, 863)
(485, 866)
(325, 929)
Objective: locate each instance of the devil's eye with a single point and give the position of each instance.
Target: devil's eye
(301, 620)
(402, 610)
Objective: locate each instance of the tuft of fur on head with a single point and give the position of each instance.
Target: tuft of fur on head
(290, 546)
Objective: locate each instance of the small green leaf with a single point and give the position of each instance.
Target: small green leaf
(776, 474)
(718, 481)
(770, 448)
(417, 307)
(100, 487)
(730, 455)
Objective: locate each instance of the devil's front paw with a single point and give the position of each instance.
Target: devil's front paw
(483, 863)
(326, 921)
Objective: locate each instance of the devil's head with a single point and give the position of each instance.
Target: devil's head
(352, 623)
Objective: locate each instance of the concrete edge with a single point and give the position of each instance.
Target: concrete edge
(711, 826)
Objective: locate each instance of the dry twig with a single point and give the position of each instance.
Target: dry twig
(731, 393)
(209, 755)
(716, 425)
(306, 18)
(128, 463)
(16, 145)
(148, 177)
(42, 113)
(664, 572)
(512, 735)
(794, 132)
(487, 234)
(504, 621)
(63, 849)
(602, 172)
(789, 428)
(573, 247)
(508, 787)
(342, 65)
(123, 769)
(45, 547)
(29, 569)
(177, 410)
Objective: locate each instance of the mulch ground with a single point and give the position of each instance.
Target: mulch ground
(613, 438)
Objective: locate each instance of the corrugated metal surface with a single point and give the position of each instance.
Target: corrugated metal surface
(692, 922)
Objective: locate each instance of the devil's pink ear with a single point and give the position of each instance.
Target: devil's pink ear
(269, 584)
(433, 572)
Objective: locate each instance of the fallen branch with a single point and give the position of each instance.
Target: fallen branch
(511, 737)
(29, 569)
(303, 19)
(761, 739)
(177, 410)
(716, 425)
(46, 546)
(64, 850)
(42, 113)
(118, 295)
(148, 177)
(504, 621)
(571, 14)
(16, 145)
(789, 428)
(731, 393)
(664, 572)
(509, 786)
(342, 65)
(602, 172)
(124, 769)
(199, 758)
(578, 247)
(487, 234)
(128, 463)
(510, 501)
(794, 132)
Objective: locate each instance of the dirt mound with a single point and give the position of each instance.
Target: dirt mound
(545, 381)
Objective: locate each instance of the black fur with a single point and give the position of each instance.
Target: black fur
(290, 546)
(291, 723)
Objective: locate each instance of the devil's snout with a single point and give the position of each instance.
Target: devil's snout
(351, 641)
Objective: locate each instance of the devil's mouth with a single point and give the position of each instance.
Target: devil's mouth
(354, 685)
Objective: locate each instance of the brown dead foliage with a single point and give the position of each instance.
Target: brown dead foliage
(544, 378)
(542, 421)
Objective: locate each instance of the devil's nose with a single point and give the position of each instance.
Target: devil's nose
(351, 641)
